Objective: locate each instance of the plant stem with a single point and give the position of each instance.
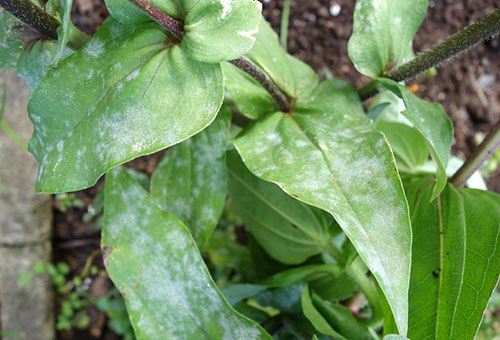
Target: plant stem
(271, 87)
(355, 271)
(285, 19)
(480, 155)
(33, 16)
(175, 28)
(486, 28)
(170, 24)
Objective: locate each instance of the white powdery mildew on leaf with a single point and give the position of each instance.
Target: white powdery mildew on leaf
(332, 157)
(166, 284)
(226, 8)
(95, 48)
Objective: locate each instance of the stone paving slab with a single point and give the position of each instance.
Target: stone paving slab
(25, 228)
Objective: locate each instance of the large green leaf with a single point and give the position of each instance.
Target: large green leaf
(154, 262)
(214, 30)
(290, 74)
(328, 154)
(288, 230)
(383, 33)
(191, 180)
(456, 260)
(127, 93)
(432, 122)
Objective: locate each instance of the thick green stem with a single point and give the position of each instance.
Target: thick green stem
(33, 16)
(486, 28)
(175, 28)
(479, 157)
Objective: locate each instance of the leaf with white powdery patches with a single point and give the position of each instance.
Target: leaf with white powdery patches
(328, 154)
(432, 122)
(127, 93)
(154, 262)
(456, 260)
(191, 180)
(383, 33)
(214, 30)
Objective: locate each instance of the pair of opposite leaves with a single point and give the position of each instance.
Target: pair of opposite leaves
(131, 92)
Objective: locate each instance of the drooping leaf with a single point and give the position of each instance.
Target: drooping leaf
(328, 154)
(290, 74)
(456, 259)
(214, 30)
(287, 229)
(191, 180)
(432, 122)
(383, 33)
(154, 262)
(122, 96)
(315, 317)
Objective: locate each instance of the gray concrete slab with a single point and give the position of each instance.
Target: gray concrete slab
(25, 228)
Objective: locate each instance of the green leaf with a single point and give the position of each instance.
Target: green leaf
(218, 30)
(456, 260)
(153, 260)
(288, 230)
(294, 77)
(409, 146)
(432, 122)
(315, 317)
(290, 74)
(191, 180)
(67, 32)
(214, 30)
(126, 12)
(122, 96)
(383, 32)
(341, 319)
(328, 154)
(302, 274)
(250, 97)
(10, 46)
(238, 292)
(35, 60)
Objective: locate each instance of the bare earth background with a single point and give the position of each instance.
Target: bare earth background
(468, 88)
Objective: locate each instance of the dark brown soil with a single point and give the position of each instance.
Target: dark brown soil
(468, 88)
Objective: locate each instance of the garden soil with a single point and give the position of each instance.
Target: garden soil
(468, 88)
